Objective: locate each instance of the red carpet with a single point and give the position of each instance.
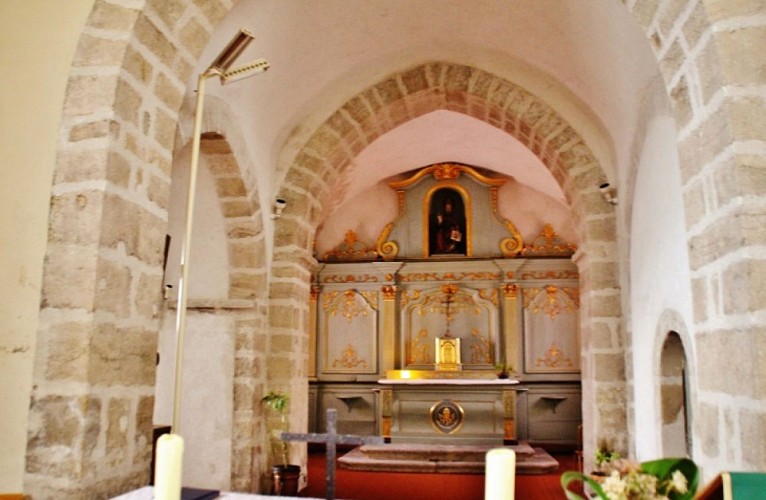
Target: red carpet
(361, 485)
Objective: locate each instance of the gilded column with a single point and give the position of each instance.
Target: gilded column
(314, 295)
(388, 343)
(511, 333)
(386, 413)
(509, 416)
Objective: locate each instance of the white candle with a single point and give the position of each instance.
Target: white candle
(500, 474)
(167, 471)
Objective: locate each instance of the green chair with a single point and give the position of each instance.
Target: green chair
(735, 486)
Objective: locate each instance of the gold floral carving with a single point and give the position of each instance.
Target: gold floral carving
(489, 295)
(480, 348)
(554, 357)
(509, 429)
(446, 172)
(350, 278)
(406, 297)
(349, 359)
(385, 424)
(419, 352)
(347, 306)
(509, 415)
(510, 290)
(352, 249)
(509, 404)
(549, 243)
(389, 292)
(386, 402)
(449, 289)
(554, 303)
(550, 275)
(475, 276)
(371, 296)
(388, 250)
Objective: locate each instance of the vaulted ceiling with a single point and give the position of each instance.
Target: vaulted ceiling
(586, 59)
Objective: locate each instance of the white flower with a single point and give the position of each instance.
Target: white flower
(678, 482)
(614, 487)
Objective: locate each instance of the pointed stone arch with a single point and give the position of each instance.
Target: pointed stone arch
(519, 112)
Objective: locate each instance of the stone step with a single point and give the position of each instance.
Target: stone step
(456, 459)
(444, 452)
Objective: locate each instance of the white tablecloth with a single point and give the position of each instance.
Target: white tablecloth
(447, 381)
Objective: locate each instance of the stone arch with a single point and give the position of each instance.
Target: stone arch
(106, 240)
(674, 369)
(447, 86)
(238, 205)
(241, 309)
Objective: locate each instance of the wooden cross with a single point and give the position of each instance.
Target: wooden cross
(331, 439)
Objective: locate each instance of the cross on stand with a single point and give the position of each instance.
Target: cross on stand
(331, 439)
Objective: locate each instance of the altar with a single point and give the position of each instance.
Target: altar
(457, 410)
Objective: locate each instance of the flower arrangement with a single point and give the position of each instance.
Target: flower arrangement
(620, 479)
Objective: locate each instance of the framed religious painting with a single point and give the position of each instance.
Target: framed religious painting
(447, 222)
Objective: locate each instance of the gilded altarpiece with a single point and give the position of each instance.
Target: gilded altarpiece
(380, 307)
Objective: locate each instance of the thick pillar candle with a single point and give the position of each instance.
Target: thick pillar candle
(167, 471)
(500, 474)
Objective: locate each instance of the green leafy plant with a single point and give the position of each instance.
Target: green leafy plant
(505, 369)
(605, 453)
(278, 403)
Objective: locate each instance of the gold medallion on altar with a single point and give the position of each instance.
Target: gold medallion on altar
(446, 416)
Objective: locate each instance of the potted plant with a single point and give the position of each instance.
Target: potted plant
(505, 370)
(284, 475)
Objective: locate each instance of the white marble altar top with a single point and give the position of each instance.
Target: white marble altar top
(448, 381)
(147, 493)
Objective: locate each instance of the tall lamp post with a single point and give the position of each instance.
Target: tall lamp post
(170, 446)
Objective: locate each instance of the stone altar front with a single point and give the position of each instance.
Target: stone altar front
(472, 411)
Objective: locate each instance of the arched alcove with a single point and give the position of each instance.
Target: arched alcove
(674, 413)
